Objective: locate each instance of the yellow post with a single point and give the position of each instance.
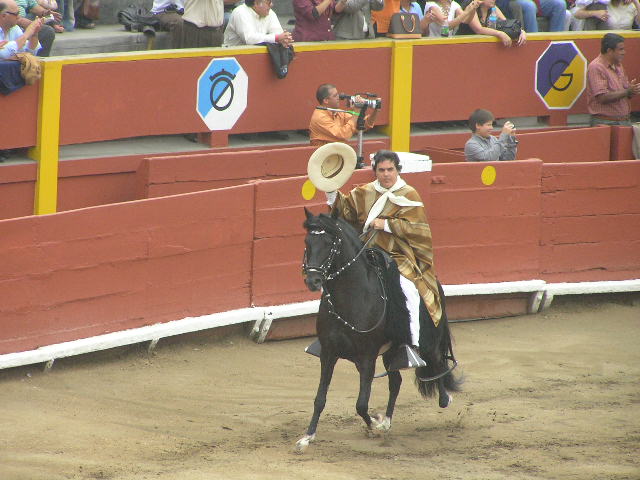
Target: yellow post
(48, 139)
(399, 128)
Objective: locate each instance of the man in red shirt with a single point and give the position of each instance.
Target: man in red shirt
(608, 88)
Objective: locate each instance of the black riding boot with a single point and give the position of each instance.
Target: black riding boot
(406, 357)
(314, 349)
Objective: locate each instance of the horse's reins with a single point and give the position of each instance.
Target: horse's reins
(323, 270)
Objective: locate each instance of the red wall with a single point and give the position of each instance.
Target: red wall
(486, 233)
(554, 145)
(86, 272)
(591, 222)
(76, 274)
(571, 145)
(122, 99)
(20, 118)
(170, 175)
(487, 75)
(101, 102)
(100, 181)
(17, 190)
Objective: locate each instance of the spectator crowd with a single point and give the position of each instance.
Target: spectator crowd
(211, 23)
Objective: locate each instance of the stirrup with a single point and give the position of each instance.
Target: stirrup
(314, 349)
(406, 357)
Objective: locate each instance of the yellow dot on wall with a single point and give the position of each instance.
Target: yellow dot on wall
(308, 190)
(488, 175)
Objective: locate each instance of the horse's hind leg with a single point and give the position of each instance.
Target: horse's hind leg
(436, 366)
(444, 397)
(327, 365)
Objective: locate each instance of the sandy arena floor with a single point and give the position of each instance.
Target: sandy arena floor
(550, 396)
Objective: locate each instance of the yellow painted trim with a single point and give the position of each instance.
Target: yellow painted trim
(344, 45)
(399, 128)
(48, 139)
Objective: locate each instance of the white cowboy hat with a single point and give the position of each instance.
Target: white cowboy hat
(331, 165)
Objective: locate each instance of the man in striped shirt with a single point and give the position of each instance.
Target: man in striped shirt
(608, 87)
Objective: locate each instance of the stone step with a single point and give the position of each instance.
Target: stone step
(109, 8)
(105, 39)
(108, 38)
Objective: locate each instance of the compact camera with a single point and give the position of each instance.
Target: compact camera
(368, 100)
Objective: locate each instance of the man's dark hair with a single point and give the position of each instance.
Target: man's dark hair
(610, 41)
(3, 7)
(323, 91)
(382, 155)
(250, 3)
(478, 117)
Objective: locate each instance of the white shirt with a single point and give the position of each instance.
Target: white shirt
(246, 27)
(204, 13)
(11, 48)
(586, 3)
(435, 30)
(621, 16)
(159, 6)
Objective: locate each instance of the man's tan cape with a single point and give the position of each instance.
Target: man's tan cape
(410, 245)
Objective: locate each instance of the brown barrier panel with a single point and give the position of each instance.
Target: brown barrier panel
(554, 145)
(621, 143)
(486, 233)
(591, 224)
(170, 175)
(101, 102)
(487, 75)
(98, 181)
(572, 145)
(443, 155)
(17, 189)
(279, 243)
(88, 272)
(20, 122)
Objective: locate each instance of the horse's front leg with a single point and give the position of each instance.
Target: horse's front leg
(327, 364)
(367, 369)
(381, 423)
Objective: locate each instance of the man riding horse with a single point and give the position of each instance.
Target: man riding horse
(393, 213)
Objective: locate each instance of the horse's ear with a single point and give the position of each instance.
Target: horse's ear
(335, 213)
(308, 213)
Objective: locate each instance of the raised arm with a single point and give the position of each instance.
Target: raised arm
(478, 28)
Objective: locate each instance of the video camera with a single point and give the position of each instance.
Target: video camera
(366, 100)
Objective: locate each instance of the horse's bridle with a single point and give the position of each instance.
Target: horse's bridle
(323, 270)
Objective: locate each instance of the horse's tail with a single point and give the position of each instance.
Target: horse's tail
(436, 348)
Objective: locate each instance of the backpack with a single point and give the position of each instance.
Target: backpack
(30, 68)
(136, 18)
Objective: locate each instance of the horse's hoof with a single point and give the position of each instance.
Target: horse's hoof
(444, 403)
(303, 443)
(380, 423)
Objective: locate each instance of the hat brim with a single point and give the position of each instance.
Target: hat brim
(331, 165)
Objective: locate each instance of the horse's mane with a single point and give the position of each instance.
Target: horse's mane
(335, 226)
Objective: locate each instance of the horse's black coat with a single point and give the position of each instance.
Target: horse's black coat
(356, 296)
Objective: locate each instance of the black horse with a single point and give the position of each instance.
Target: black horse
(358, 320)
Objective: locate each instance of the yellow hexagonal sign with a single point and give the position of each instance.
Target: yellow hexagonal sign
(560, 75)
